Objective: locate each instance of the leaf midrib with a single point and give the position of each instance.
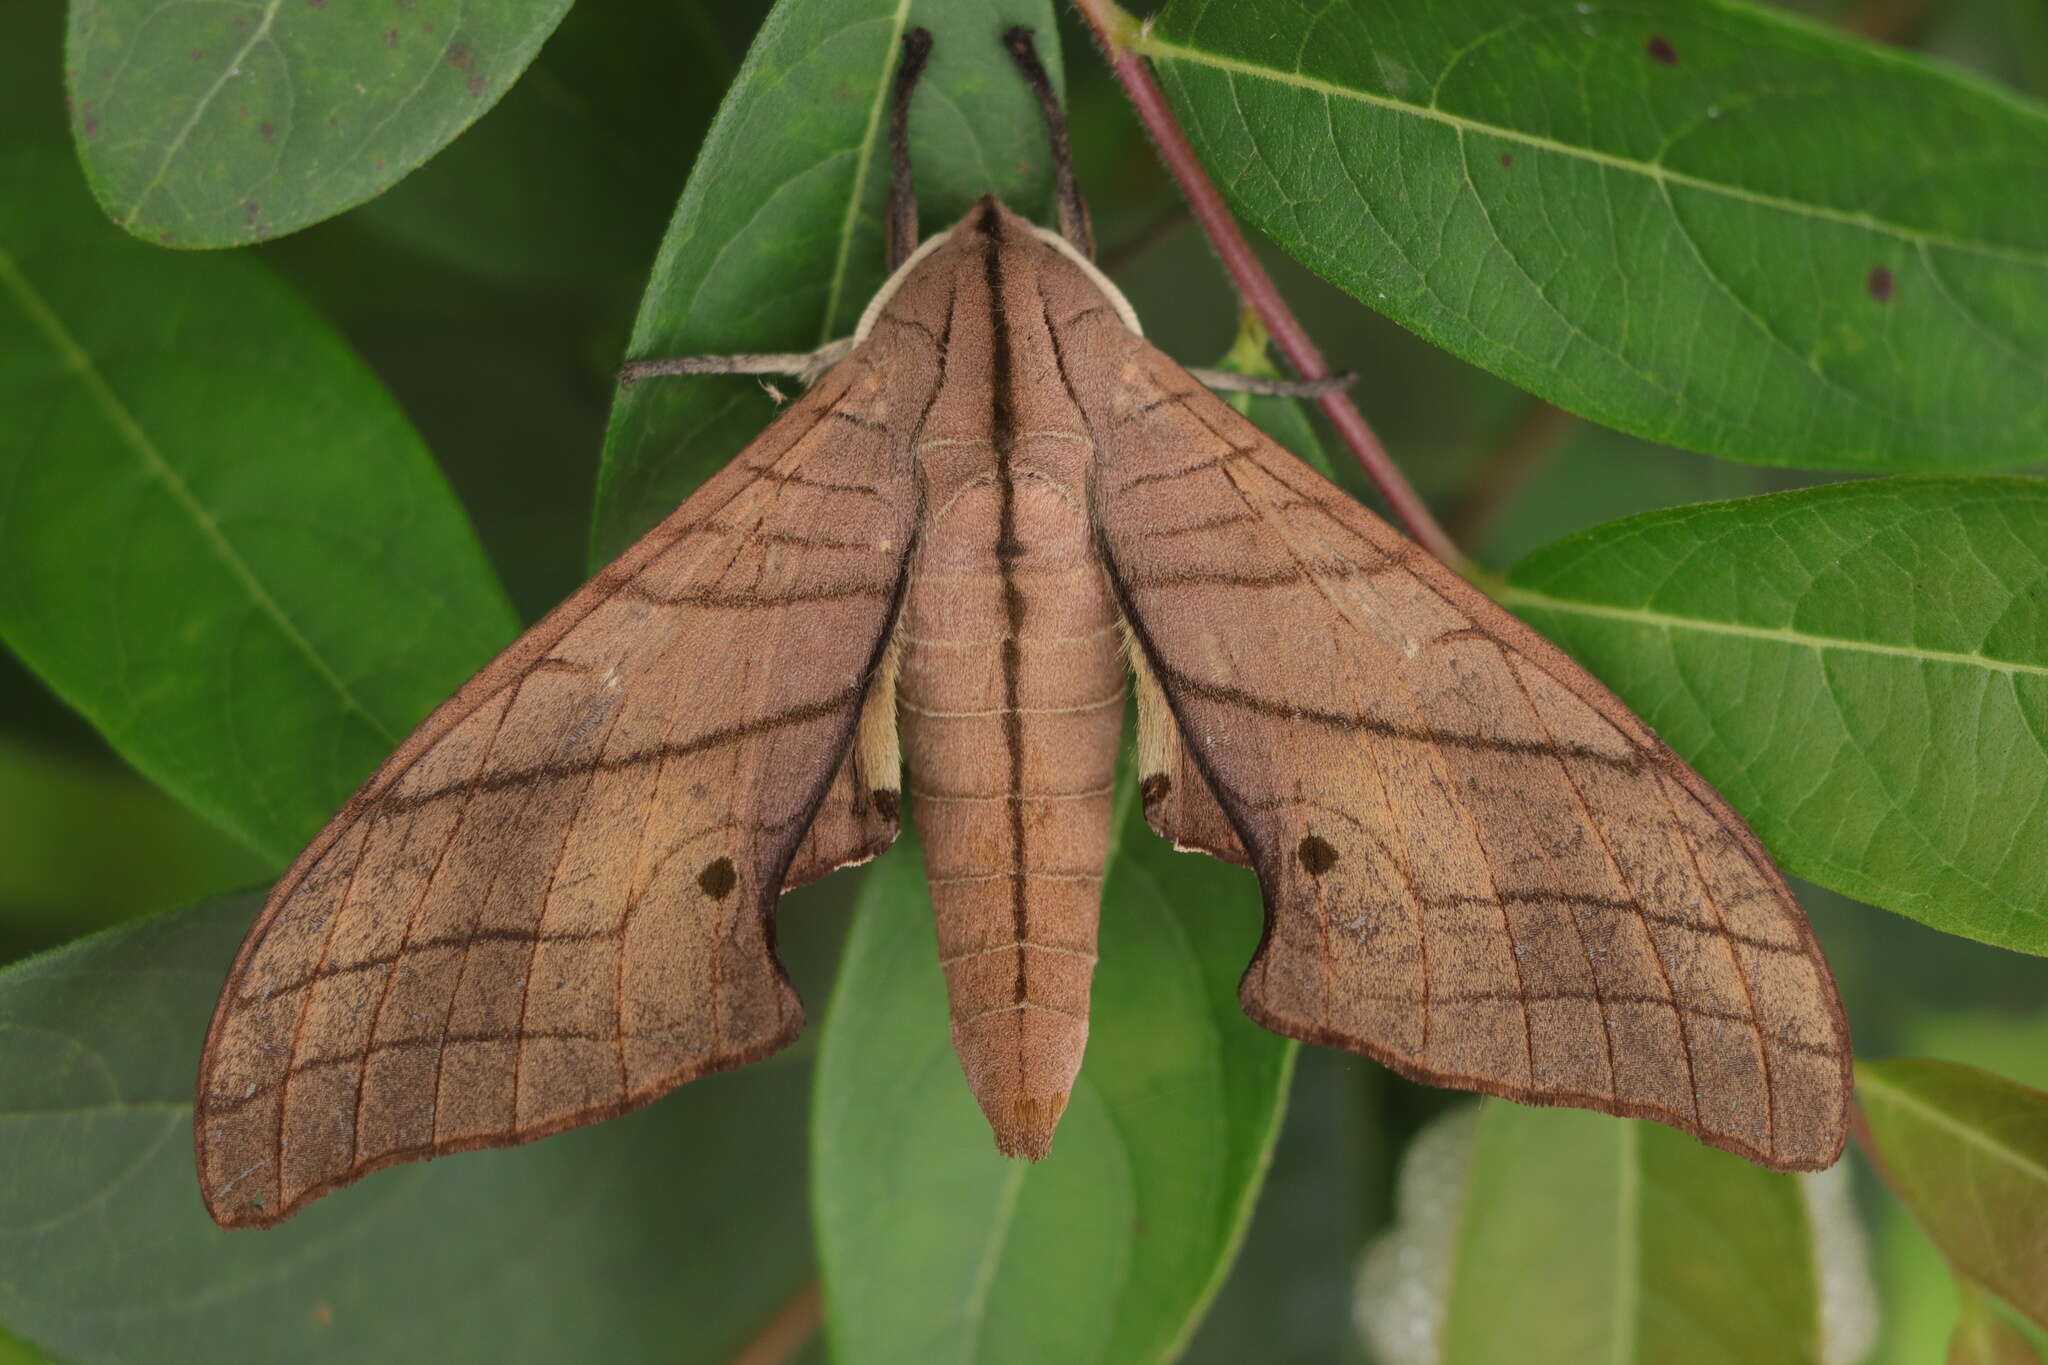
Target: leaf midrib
(76, 359)
(1160, 49)
(1643, 616)
(975, 1309)
(866, 155)
(230, 68)
(1968, 1136)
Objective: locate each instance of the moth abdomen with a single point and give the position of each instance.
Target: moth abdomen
(1012, 690)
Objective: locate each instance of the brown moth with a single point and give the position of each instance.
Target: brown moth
(554, 902)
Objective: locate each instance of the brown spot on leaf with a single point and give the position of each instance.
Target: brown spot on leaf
(164, 238)
(1316, 854)
(250, 209)
(1880, 284)
(269, 130)
(1155, 787)
(323, 1311)
(1507, 158)
(427, 26)
(378, 164)
(197, 53)
(459, 56)
(476, 85)
(718, 878)
(91, 126)
(391, 37)
(1660, 49)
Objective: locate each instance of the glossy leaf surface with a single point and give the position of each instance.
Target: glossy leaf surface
(1704, 223)
(220, 124)
(1861, 669)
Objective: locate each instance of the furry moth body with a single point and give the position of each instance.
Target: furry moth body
(554, 902)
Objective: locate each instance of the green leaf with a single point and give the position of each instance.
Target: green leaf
(1920, 1293)
(936, 1249)
(1967, 1152)
(1985, 1336)
(777, 242)
(15, 1351)
(1861, 669)
(572, 177)
(1698, 221)
(670, 1234)
(219, 537)
(1651, 1247)
(83, 844)
(1287, 1300)
(218, 124)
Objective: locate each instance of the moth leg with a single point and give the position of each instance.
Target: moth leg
(805, 365)
(877, 745)
(902, 221)
(1179, 803)
(1073, 210)
(1234, 381)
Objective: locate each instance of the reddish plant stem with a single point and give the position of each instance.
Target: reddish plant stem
(1889, 21)
(1528, 446)
(1144, 239)
(786, 1334)
(1257, 287)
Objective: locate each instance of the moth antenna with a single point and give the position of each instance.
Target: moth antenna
(1073, 209)
(917, 46)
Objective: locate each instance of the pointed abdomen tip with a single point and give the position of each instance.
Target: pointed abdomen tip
(1024, 1127)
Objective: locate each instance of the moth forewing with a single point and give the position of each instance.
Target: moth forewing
(1479, 866)
(551, 904)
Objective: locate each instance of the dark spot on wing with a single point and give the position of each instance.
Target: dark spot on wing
(1880, 284)
(1660, 49)
(1316, 855)
(887, 802)
(1155, 787)
(718, 878)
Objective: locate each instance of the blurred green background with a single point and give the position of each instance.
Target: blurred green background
(493, 291)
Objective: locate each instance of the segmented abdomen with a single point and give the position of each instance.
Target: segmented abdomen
(1011, 688)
